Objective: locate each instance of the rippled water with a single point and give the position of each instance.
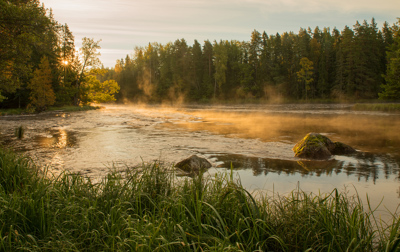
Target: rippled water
(256, 141)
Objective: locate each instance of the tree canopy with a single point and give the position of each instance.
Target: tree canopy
(359, 62)
(37, 54)
(311, 64)
(391, 90)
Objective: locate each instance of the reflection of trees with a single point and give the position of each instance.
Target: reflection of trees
(362, 165)
(369, 166)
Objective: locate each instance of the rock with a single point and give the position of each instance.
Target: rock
(193, 164)
(317, 146)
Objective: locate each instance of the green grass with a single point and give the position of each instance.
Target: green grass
(149, 209)
(16, 111)
(387, 107)
(74, 108)
(62, 108)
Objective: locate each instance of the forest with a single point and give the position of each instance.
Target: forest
(40, 67)
(356, 63)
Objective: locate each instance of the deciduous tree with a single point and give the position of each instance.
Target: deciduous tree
(89, 58)
(97, 91)
(305, 74)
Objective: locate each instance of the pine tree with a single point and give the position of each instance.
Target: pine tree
(221, 60)
(196, 66)
(391, 90)
(42, 94)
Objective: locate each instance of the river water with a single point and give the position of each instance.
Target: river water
(255, 140)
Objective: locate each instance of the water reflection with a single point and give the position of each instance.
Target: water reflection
(56, 139)
(360, 166)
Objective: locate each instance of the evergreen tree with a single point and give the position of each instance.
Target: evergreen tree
(65, 89)
(208, 70)
(221, 60)
(197, 68)
(317, 57)
(391, 90)
(344, 81)
(255, 50)
(367, 60)
(266, 64)
(41, 91)
(326, 69)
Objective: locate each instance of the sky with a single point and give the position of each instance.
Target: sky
(123, 25)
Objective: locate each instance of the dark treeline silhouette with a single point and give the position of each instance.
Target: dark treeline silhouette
(313, 64)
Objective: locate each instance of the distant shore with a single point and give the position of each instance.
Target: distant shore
(360, 106)
(20, 111)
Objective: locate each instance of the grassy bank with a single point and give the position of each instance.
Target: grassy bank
(147, 209)
(386, 107)
(74, 108)
(19, 111)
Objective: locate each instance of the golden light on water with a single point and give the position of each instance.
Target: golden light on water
(62, 139)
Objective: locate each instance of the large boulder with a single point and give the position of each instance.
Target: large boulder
(317, 146)
(193, 164)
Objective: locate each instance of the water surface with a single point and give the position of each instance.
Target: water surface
(255, 141)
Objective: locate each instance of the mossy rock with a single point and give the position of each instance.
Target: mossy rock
(317, 146)
(193, 164)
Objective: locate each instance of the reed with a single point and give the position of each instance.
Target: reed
(148, 209)
(19, 132)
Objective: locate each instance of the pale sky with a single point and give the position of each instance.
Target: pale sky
(124, 24)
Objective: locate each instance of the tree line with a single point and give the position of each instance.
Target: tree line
(356, 63)
(39, 65)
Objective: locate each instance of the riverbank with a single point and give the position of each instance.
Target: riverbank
(386, 107)
(19, 111)
(149, 209)
(356, 105)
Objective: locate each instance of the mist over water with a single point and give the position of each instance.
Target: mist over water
(256, 141)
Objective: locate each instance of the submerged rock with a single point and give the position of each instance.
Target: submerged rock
(317, 146)
(193, 164)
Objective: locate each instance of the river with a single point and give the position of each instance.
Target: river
(256, 140)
